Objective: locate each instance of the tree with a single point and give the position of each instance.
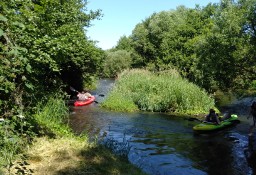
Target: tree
(116, 62)
(124, 43)
(42, 43)
(223, 55)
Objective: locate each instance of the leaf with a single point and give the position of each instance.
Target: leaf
(23, 78)
(2, 18)
(13, 52)
(21, 25)
(28, 68)
(30, 86)
(1, 32)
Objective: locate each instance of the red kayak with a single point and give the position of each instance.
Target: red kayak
(85, 102)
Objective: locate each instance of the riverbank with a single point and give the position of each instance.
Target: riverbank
(52, 148)
(70, 155)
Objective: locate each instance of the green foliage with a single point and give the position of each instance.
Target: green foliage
(15, 133)
(10, 144)
(212, 46)
(52, 115)
(221, 51)
(43, 49)
(115, 62)
(119, 101)
(43, 43)
(14, 65)
(253, 85)
(124, 43)
(165, 39)
(165, 91)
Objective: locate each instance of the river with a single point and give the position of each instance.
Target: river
(161, 144)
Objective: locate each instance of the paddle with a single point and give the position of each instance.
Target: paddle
(73, 89)
(194, 119)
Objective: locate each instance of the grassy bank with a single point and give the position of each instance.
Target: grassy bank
(71, 156)
(56, 150)
(166, 92)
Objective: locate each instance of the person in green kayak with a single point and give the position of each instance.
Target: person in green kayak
(253, 116)
(212, 117)
(84, 95)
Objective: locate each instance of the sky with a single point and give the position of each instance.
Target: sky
(121, 16)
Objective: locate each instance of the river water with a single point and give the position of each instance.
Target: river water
(161, 144)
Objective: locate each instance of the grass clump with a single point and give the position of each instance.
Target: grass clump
(159, 92)
(52, 116)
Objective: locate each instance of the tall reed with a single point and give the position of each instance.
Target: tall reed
(165, 91)
(52, 115)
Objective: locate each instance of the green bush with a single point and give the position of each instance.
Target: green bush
(11, 143)
(19, 130)
(115, 62)
(120, 102)
(15, 133)
(164, 91)
(253, 85)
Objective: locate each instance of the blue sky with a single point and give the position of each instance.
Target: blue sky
(121, 16)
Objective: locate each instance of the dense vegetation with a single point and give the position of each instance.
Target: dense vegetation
(43, 50)
(211, 46)
(165, 91)
(58, 150)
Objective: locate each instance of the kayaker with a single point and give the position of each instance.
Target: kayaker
(212, 117)
(84, 95)
(253, 116)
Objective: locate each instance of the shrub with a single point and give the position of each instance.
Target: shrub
(163, 91)
(116, 62)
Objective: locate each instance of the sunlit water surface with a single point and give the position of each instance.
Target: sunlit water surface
(161, 144)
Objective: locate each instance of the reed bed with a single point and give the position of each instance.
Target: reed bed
(157, 92)
(53, 116)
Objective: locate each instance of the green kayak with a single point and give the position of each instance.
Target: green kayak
(208, 127)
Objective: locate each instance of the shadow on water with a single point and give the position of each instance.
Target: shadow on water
(162, 144)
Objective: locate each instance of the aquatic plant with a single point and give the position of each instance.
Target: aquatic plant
(163, 91)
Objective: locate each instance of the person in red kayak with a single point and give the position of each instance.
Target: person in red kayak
(212, 117)
(84, 95)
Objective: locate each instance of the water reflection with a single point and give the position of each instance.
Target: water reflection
(161, 144)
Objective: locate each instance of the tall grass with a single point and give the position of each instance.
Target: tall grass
(18, 131)
(166, 91)
(52, 115)
(15, 133)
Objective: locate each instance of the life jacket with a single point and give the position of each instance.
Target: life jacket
(212, 118)
(82, 97)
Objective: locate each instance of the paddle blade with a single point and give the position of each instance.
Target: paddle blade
(72, 89)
